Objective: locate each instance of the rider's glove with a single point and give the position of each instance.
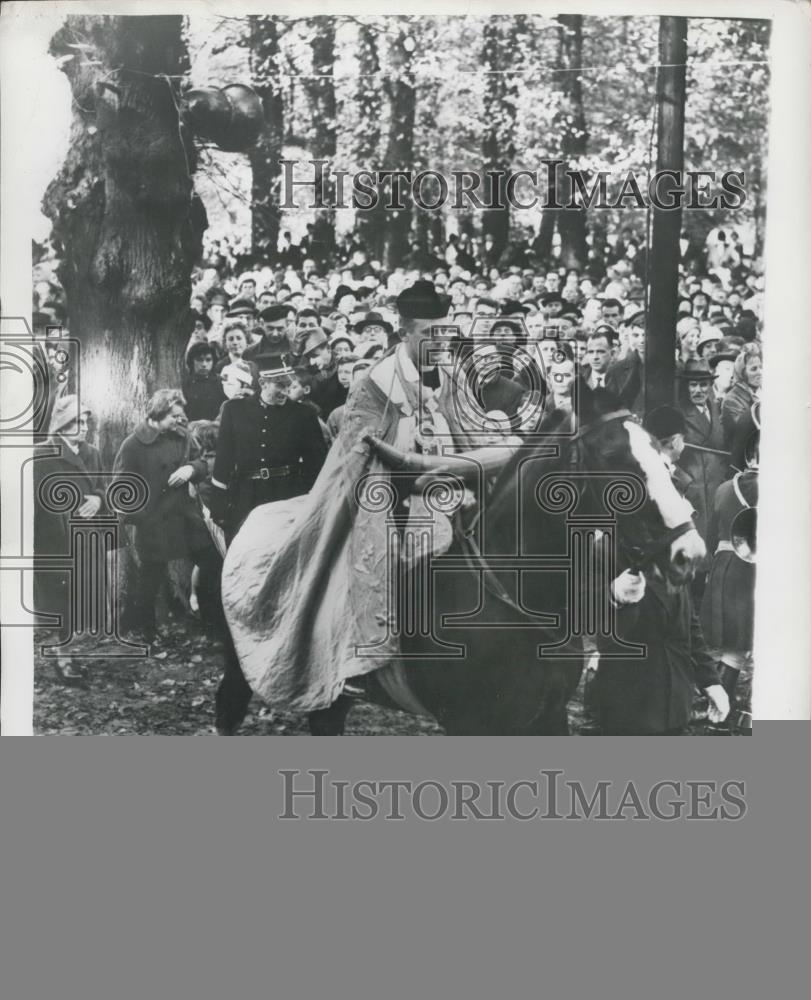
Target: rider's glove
(628, 588)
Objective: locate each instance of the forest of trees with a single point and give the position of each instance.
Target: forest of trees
(138, 190)
(473, 93)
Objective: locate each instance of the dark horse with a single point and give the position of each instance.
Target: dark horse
(509, 603)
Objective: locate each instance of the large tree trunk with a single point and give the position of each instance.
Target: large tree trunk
(499, 54)
(265, 155)
(370, 224)
(400, 88)
(126, 223)
(323, 131)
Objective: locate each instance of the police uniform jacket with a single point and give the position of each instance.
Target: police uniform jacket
(286, 441)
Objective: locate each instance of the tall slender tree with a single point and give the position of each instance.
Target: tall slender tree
(570, 125)
(264, 51)
(323, 130)
(400, 89)
(499, 52)
(369, 223)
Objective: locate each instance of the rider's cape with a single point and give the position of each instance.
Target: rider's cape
(306, 582)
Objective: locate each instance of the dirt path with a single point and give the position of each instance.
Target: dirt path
(172, 693)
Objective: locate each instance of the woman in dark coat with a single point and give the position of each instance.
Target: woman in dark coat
(169, 526)
(745, 391)
(65, 457)
(728, 608)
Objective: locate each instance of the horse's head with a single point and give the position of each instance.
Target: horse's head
(654, 527)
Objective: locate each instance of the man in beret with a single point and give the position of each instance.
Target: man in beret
(274, 346)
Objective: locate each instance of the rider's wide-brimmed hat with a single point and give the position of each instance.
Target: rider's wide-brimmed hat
(422, 301)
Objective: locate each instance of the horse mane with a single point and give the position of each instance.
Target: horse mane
(501, 505)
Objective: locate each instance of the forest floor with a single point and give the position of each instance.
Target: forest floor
(171, 692)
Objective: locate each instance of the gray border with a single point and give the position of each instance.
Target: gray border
(159, 869)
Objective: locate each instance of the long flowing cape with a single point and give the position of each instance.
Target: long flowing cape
(307, 581)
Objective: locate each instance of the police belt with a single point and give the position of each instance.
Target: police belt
(279, 472)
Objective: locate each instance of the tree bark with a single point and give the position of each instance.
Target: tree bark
(265, 155)
(370, 224)
(571, 121)
(498, 149)
(572, 222)
(126, 223)
(660, 340)
(323, 131)
(401, 92)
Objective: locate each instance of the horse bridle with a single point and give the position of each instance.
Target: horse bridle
(638, 556)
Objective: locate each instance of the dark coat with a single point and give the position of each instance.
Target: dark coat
(737, 404)
(626, 379)
(204, 396)
(52, 529)
(170, 525)
(707, 471)
(728, 607)
(654, 694)
(502, 393)
(327, 393)
(253, 436)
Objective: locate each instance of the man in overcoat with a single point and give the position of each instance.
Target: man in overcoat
(64, 457)
(704, 458)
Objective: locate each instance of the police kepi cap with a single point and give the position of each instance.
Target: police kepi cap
(278, 371)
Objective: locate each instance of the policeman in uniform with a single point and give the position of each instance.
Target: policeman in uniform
(268, 449)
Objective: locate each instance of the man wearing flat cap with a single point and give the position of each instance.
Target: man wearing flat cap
(327, 392)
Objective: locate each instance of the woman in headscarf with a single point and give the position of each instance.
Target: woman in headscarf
(745, 391)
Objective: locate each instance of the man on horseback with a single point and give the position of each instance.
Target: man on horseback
(307, 583)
